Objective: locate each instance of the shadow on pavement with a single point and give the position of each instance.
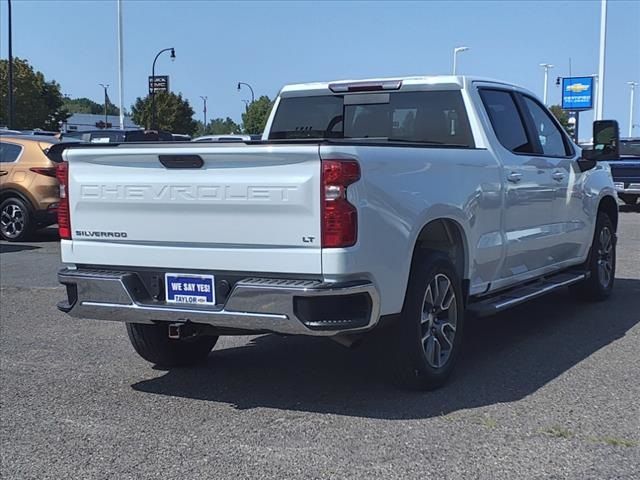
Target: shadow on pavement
(505, 358)
(630, 208)
(15, 247)
(49, 234)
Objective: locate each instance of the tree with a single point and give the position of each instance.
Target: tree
(173, 113)
(38, 103)
(86, 105)
(562, 116)
(218, 126)
(256, 115)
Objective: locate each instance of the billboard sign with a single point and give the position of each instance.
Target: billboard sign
(577, 93)
(159, 83)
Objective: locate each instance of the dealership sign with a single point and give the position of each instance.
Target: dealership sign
(577, 93)
(159, 83)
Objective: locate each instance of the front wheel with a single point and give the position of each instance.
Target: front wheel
(601, 265)
(152, 342)
(429, 333)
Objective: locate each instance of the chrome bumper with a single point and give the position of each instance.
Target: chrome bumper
(254, 304)
(632, 188)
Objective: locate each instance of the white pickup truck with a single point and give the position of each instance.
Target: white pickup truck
(408, 203)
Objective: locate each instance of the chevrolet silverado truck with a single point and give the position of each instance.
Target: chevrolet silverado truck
(405, 205)
(626, 171)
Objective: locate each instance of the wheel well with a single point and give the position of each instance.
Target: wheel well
(10, 193)
(444, 235)
(609, 206)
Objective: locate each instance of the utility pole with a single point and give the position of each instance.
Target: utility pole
(547, 67)
(10, 116)
(603, 41)
(204, 111)
(120, 66)
(633, 86)
(106, 101)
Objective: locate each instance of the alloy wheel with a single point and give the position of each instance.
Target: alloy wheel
(439, 320)
(605, 257)
(12, 220)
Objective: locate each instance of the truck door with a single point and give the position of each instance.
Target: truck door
(528, 191)
(569, 233)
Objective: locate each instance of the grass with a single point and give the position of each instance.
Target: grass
(558, 432)
(616, 442)
(487, 421)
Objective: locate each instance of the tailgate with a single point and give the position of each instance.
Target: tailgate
(248, 208)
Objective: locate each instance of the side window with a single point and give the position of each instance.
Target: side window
(506, 121)
(551, 138)
(9, 152)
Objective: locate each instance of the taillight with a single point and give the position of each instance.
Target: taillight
(48, 171)
(339, 217)
(64, 217)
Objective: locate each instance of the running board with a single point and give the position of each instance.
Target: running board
(510, 298)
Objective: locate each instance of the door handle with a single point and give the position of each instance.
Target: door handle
(514, 177)
(558, 176)
(3, 173)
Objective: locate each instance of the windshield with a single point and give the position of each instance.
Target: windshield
(434, 118)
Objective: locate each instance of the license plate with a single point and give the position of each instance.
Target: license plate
(191, 289)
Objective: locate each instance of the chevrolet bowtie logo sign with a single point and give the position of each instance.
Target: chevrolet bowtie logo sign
(577, 87)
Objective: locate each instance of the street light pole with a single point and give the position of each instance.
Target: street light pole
(455, 56)
(120, 67)
(10, 115)
(204, 99)
(633, 86)
(106, 101)
(153, 84)
(547, 67)
(603, 40)
(253, 98)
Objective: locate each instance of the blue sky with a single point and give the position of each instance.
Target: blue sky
(268, 44)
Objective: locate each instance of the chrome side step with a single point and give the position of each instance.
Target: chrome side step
(510, 298)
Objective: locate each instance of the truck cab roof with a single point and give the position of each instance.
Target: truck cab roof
(448, 82)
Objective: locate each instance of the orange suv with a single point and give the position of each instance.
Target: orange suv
(29, 191)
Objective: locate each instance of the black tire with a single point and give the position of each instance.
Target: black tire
(631, 200)
(152, 343)
(16, 220)
(413, 369)
(598, 286)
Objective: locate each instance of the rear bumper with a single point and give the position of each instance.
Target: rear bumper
(297, 307)
(628, 188)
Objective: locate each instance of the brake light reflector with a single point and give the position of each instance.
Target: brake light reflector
(64, 217)
(339, 217)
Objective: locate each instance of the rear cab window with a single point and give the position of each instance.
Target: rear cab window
(435, 118)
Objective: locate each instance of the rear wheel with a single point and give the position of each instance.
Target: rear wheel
(16, 220)
(152, 342)
(601, 265)
(429, 333)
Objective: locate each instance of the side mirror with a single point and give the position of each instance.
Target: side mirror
(606, 144)
(606, 140)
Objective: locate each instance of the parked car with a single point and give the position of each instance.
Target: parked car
(119, 136)
(179, 137)
(410, 204)
(28, 185)
(226, 138)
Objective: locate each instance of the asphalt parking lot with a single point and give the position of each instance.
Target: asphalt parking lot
(547, 390)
